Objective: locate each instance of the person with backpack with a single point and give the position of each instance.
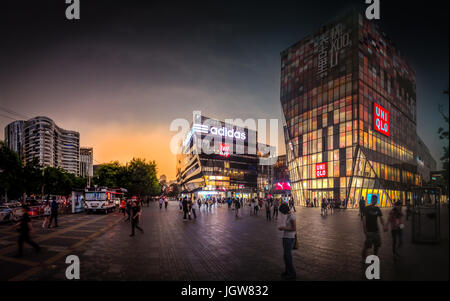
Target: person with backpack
(289, 234)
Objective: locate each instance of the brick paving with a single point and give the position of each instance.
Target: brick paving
(217, 246)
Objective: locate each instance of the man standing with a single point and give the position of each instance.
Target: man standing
(370, 227)
(290, 230)
(276, 204)
(362, 206)
(25, 229)
(54, 213)
(135, 214)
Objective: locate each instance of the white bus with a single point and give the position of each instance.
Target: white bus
(102, 199)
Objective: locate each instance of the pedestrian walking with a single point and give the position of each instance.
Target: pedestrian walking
(408, 209)
(276, 205)
(370, 227)
(237, 206)
(166, 202)
(362, 206)
(185, 208)
(323, 210)
(135, 216)
(255, 207)
(160, 203)
(128, 210)
(191, 204)
(291, 203)
(395, 222)
(267, 205)
(54, 212)
(25, 230)
(289, 234)
(47, 213)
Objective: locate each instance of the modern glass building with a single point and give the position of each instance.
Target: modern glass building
(349, 102)
(218, 160)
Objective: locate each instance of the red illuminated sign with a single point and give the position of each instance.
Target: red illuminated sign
(224, 150)
(283, 186)
(380, 119)
(321, 170)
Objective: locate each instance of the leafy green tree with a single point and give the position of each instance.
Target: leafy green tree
(32, 177)
(10, 172)
(110, 175)
(443, 135)
(174, 190)
(141, 178)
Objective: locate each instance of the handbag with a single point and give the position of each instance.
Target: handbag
(296, 242)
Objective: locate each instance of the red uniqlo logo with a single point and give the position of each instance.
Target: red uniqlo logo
(224, 150)
(380, 119)
(321, 170)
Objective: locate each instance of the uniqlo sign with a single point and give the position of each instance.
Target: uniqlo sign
(321, 170)
(224, 150)
(380, 119)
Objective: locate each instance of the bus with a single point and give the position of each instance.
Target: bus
(102, 199)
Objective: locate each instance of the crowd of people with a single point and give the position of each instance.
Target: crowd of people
(131, 209)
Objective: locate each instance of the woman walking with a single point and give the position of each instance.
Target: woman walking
(47, 212)
(290, 230)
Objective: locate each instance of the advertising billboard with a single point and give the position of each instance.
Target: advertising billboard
(380, 119)
(321, 170)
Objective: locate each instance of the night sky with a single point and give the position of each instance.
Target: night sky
(126, 69)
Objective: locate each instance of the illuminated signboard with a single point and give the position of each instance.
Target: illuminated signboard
(283, 186)
(216, 131)
(224, 150)
(321, 170)
(380, 119)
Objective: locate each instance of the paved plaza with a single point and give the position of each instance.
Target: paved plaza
(215, 246)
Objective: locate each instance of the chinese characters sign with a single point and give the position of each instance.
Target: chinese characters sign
(321, 170)
(380, 119)
(224, 150)
(328, 46)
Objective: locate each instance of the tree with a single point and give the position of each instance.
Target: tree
(32, 177)
(142, 178)
(173, 190)
(10, 172)
(111, 174)
(444, 135)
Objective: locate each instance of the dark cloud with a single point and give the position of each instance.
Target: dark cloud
(150, 62)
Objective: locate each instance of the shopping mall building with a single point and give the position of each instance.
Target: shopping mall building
(218, 160)
(349, 102)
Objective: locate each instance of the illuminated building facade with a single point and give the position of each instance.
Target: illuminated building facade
(349, 101)
(225, 166)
